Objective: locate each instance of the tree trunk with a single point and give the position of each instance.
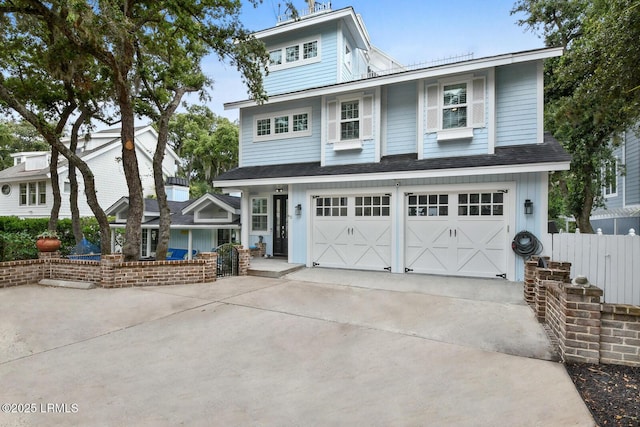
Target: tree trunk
(55, 187)
(158, 157)
(73, 181)
(133, 230)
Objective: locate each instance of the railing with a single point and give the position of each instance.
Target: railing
(293, 15)
(609, 262)
(419, 65)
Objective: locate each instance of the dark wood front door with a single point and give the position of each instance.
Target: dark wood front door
(280, 243)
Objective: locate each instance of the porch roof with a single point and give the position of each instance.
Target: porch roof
(548, 152)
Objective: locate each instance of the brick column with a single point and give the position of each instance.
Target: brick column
(530, 281)
(544, 277)
(244, 258)
(582, 344)
(210, 265)
(46, 257)
(107, 270)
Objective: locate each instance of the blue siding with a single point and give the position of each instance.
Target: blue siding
(464, 147)
(616, 201)
(366, 155)
(401, 117)
(632, 166)
(516, 105)
(288, 150)
(309, 75)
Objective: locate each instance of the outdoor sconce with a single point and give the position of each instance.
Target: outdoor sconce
(528, 207)
(298, 209)
(278, 189)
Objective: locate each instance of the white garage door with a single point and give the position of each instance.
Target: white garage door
(352, 232)
(457, 233)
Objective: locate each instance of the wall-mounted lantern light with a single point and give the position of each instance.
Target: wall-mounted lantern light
(278, 189)
(298, 209)
(528, 207)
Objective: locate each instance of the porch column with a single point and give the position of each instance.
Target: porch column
(190, 245)
(245, 218)
(113, 239)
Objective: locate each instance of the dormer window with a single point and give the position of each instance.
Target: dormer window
(454, 106)
(294, 54)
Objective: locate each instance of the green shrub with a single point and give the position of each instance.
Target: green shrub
(18, 236)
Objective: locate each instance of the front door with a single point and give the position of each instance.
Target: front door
(280, 243)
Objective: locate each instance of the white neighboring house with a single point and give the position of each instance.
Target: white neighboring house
(25, 188)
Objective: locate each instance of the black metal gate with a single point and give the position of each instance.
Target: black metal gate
(227, 260)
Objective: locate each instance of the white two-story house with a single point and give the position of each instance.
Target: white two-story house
(25, 188)
(357, 162)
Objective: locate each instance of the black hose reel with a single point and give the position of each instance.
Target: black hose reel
(526, 245)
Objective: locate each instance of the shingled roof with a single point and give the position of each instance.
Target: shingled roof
(550, 151)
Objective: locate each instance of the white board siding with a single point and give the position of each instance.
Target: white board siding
(516, 105)
(308, 75)
(401, 119)
(288, 150)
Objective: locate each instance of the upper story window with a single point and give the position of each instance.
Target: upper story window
(455, 107)
(347, 55)
(283, 124)
(294, 54)
(610, 179)
(350, 121)
(33, 193)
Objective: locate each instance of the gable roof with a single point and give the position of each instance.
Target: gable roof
(548, 155)
(16, 173)
(181, 214)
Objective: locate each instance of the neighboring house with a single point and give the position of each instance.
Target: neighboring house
(355, 162)
(26, 187)
(622, 198)
(196, 225)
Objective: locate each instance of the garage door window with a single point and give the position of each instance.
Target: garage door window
(372, 205)
(481, 204)
(429, 205)
(331, 206)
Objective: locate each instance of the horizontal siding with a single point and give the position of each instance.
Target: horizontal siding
(617, 201)
(401, 112)
(471, 147)
(632, 162)
(365, 155)
(310, 75)
(288, 150)
(516, 104)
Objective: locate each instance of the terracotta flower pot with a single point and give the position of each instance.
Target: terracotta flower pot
(48, 244)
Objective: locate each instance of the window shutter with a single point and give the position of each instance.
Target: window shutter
(332, 121)
(477, 107)
(432, 108)
(367, 118)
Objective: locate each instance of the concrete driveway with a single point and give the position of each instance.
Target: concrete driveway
(317, 348)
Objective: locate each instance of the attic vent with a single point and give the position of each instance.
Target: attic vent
(174, 180)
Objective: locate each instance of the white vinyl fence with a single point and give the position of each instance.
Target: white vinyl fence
(610, 262)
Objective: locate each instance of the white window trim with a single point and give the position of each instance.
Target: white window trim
(364, 135)
(291, 133)
(40, 188)
(301, 61)
(461, 132)
(266, 214)
(198, 218)
(606, 188)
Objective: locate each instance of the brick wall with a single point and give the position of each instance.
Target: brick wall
(586, 330)
(620, 334)
(112, 272)
(17, 273)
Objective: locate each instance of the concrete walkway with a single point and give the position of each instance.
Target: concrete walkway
(371, 350)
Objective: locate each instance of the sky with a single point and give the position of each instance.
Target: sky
(410, 31)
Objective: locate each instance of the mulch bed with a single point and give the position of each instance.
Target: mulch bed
(611, 392)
